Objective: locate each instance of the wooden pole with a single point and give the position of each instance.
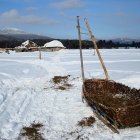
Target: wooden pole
(80, 46)
(40, 53)
(95, 45)
(94, 51)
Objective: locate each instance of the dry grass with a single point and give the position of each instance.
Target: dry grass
(59, 79)
(31, 132)
(61, 82)
(87, 121)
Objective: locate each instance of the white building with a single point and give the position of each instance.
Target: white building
(54, 45)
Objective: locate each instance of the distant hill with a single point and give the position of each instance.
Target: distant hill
(120, 40)
(7, 38)
(19, 34)
(125, 40)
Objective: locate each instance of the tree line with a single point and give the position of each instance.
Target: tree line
(71, 44)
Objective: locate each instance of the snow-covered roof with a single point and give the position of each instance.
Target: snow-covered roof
(54, 43)
(20, 47)
(27, 43)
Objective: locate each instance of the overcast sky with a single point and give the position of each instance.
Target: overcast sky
(57, 18)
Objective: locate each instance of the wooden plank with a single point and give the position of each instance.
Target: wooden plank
(104, 118)
(93, 105)
(106, 122)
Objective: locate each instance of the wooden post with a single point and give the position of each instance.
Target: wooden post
(40, 53)
(94, 51)
(80, 45)
(95, 45)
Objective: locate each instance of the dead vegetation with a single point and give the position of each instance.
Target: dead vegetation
(31, 132)
(61, 82)
(80, 133)
(87, 121)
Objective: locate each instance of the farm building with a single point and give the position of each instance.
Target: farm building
(52, 46)
(27, 46)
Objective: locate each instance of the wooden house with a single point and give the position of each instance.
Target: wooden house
(27, 46)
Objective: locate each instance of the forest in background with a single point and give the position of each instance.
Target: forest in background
(70, 44)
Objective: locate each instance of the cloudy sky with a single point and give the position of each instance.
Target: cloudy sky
(57, 18)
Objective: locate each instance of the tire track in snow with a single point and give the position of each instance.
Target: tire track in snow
(22, 102)
(25, 108)
(14, 109)
(5, 101)
(16, 104)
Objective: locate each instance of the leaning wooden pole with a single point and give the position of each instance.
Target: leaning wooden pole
(95, 45)
(80, 46)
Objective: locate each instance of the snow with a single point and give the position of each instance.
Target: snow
(25, 43)
(54, 43)
(14, 29)
(27, 93)
(11, 31)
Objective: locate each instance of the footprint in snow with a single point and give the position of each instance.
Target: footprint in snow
(25, 71)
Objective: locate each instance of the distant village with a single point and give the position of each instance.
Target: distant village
(57, 44)
(30, 46)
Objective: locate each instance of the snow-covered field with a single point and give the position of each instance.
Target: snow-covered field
(27, 93)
